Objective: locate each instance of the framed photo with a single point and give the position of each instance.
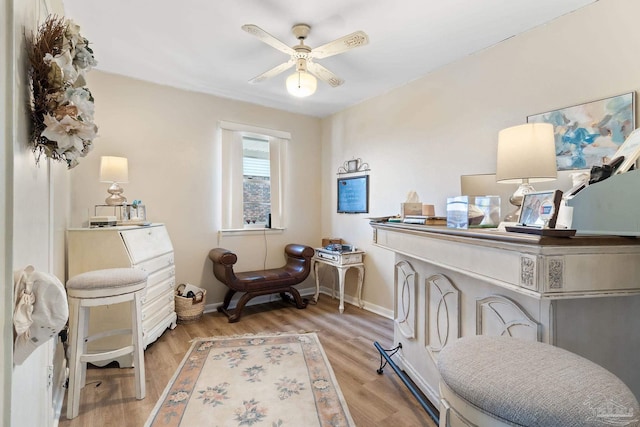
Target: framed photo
(352, 165)
(353, 194)
(540, 209)
(630, 150)
(589, 134)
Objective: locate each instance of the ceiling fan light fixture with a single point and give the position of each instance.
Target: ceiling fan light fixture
(301, 84)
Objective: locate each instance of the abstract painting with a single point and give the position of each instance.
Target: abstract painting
(588, 134)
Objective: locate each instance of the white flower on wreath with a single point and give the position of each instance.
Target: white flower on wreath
(65, 62)
(68, 132)
(84, 58)
(80, 98)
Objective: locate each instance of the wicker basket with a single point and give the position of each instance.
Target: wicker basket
(190, 309)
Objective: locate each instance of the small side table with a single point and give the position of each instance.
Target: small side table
(342, 261)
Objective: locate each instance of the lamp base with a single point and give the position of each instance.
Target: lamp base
(516, 200)
(116, 198)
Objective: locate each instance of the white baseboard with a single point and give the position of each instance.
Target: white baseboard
(306, 292)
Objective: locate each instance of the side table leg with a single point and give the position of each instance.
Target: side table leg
(316, 265)
(360, 281)
(341, 273)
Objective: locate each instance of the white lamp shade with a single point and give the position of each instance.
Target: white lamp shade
(301, 84)
(526, 152)
(114, 169)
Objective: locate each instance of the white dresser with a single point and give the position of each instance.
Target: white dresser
(147, 248)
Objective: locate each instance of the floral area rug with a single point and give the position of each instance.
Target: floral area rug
(259, 380)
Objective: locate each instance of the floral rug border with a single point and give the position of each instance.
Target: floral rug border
(171, 406)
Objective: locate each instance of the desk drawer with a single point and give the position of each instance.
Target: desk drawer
(161, 288)
(149, 310)
(337, 258)
(151, 321)
(156, 264)
(160, 276)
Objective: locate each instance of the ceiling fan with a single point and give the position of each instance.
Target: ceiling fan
(302, 83)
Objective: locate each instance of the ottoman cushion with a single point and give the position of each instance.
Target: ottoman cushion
(107, 282)
(534, 384)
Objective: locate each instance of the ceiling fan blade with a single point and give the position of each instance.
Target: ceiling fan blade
(273, 72)
(323, 74)
(353, 40)
(268, 38)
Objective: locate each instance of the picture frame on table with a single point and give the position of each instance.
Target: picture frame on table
(588, 134)
(539, 215)
(540, 209)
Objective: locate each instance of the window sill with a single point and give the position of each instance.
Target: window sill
(250, 231)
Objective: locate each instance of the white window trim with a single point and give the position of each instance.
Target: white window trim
(231, 174)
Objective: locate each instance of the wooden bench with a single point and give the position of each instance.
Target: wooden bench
(261, 282)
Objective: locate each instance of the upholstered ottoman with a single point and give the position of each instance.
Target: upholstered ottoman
(502, 381)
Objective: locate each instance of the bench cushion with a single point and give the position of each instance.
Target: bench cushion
(534, 384)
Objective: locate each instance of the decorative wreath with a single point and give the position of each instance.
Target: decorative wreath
(61, 105)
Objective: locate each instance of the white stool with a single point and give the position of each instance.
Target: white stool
(503, 381)
(92, 289)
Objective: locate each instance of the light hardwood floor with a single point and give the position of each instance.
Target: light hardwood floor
(108, 399)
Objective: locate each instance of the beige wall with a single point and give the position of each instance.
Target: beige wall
(170, 138)
(424, 135)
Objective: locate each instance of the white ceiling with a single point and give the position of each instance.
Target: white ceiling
(198, 45)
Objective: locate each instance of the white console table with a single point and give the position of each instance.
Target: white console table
(342, 261)
(580, 293)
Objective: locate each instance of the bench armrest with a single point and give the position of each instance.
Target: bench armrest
(299, 251)
(222, 256)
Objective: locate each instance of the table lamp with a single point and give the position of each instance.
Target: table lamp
(526, 153)
(114, 170)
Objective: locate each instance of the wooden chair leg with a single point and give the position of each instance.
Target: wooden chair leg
(237, 312)
(227, 300)
(295, 298)
(300, 303)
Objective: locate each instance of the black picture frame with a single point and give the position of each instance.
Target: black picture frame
(531, 215)
(353, 194)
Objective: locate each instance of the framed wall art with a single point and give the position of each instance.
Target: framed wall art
(353, 194)
(589, 134)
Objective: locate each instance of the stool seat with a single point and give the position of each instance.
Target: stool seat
(93, 289)
(107, 282)
(529, 383)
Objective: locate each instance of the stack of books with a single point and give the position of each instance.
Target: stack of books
(425, 220)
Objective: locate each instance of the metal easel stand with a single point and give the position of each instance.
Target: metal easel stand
(385, 355)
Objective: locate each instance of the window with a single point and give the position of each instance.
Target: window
(252, 176)
(256, 171)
